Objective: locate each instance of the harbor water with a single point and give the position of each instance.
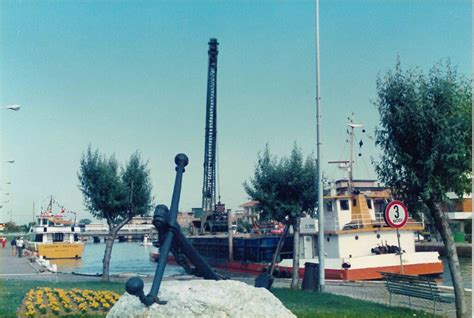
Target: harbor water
(127, 257)
(131, 257)
(466, 272)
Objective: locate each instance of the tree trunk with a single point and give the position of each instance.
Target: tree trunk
(441, 223)
(109, 243)
(296, 254)
(278, 249)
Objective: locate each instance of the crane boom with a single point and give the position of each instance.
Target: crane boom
(209, 180)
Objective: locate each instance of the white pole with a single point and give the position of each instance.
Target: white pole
(318, 154)
(400, 250)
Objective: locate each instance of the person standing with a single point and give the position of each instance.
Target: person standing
(4, 241)
(13, 245)
(19, 246)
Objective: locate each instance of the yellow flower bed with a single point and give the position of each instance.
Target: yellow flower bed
(48, 302)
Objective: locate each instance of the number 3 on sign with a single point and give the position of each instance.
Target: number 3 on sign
(396, 214)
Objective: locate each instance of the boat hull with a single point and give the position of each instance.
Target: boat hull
(434, 268)
(427, 269)
(60, 250)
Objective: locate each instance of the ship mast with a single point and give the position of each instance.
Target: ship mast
(351, 154)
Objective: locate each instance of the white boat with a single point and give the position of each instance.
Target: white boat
(55, 237)
(358, 243)
(146, 241)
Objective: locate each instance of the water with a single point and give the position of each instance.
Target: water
(127, 257)
(466, 272)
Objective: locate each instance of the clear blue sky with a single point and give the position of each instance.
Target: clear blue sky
(130, 75)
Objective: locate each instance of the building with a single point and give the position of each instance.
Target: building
(458, 210)
(251, 212)
(185, 219)
(141, 220)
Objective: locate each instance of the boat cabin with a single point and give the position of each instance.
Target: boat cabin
(53, 229)
(354, 226)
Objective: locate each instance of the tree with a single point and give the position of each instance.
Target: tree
(85, 221)
(25, 228)
(285, 188)
(425, 136)
(12, 227)
(114, 194)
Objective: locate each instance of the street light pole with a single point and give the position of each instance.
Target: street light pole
(14, 107)
(318, 152)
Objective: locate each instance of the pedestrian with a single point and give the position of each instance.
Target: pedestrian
(4, 241)
(13, 245)
(19, 246)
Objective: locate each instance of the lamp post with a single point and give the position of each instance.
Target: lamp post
(13, 107)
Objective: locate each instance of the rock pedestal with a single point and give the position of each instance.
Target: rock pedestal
(204, 298)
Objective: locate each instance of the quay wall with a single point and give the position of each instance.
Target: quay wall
(463, 249)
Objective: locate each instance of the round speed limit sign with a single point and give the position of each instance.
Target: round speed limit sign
(396, 214)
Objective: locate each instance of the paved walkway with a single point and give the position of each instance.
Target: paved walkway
(15, 266)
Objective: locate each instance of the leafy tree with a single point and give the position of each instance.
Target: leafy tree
(85, 221)
(26, 227)
(12, 227)
(114, 194)
(425, 135)
(284, 188)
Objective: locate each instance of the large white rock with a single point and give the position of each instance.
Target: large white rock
(204, 298)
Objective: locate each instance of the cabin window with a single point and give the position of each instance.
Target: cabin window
(76, 238)
(354, 202)
(378, 236)
(329, 206)
(44, 222)
(344, 205)
(39, 238)
(58, 237)
(369, 204)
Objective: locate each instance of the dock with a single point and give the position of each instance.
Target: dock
(463, 249)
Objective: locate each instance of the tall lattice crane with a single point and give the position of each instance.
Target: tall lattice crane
(209, 181)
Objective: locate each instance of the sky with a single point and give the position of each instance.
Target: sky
(126, 76)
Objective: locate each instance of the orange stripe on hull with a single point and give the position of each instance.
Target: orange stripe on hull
(413, 269)
(373, 273)
(337, 274)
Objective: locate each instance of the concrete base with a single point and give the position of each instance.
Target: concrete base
(204, 298)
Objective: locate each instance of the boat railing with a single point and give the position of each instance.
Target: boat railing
(333, 223)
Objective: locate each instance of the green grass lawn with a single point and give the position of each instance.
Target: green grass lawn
(311, 304)
(302, 304)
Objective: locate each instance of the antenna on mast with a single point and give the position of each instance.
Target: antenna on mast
(351, 133)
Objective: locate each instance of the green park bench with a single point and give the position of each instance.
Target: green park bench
(417, 287)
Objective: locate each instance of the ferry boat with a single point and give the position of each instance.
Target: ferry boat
(55, 237)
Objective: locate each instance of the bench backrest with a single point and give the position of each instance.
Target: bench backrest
(409, 285)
